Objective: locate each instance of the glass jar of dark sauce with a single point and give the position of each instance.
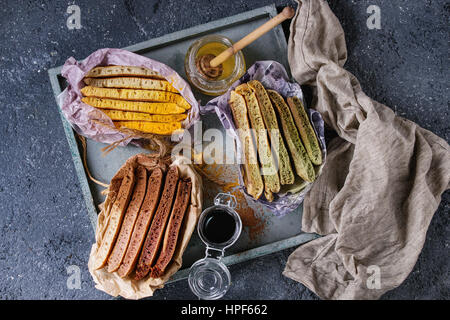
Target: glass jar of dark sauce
(218, 227)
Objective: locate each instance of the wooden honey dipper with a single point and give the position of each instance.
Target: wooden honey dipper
(211, 66)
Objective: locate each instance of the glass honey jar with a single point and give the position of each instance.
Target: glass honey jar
(231, 69)
(219, 227)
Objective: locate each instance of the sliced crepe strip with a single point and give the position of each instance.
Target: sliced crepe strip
(131, 83)
(135, 95)
(116, 71)
(252, 177)
(143, 222)
(138, 116)
(150, 127)
(173, 228)
(305, 129)
(115, 219)
(135, 106)
(154, 237)
(118, 252)
(269, 170)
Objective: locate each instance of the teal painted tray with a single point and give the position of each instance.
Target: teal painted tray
(278, 233)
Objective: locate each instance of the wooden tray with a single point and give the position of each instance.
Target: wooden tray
(278, 233)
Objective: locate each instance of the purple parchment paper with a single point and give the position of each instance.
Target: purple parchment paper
(80, 114)
(273, 76)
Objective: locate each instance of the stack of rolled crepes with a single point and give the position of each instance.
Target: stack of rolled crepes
(145, 223)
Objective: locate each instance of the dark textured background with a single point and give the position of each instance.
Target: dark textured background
(43, 219)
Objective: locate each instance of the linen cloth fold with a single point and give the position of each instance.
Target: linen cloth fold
(382, 181)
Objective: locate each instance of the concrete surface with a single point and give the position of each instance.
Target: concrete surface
(43, 220)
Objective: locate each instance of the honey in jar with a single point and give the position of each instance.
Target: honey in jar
(214, 49)
(217, 81)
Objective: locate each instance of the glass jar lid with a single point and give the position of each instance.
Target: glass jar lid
(209, 279)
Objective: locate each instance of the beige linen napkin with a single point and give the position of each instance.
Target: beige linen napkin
(382, 181)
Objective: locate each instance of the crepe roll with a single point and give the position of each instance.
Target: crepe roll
(305, 129)
(115, 71)
(131, 83)
(135, 95)
(302, 163)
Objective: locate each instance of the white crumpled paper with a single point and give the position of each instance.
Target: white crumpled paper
(80, 114)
